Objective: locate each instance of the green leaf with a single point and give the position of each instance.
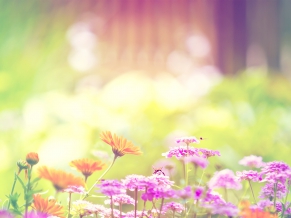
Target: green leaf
(21, 182)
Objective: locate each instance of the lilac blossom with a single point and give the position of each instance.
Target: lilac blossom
(111, 187)
(161, 180)
(5, 214)
(226, 209)
(107, 213)
(252, 161)
(188, 140)
(181, 151)
(199, 190)
(174, 207)
(185, 193)
(75, 189)
(268, 190)
(31, 214)
(139, 214)
(224, 179)
(213, 197)
(157, 193)
(120, 199)
(133, 182)
(197, 161)
(275, 167)
(206, 153)
(249, 175)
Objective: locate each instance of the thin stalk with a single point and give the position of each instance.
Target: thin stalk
(27, 190)
(195, 172)
(174, 214)
(275, 194)
(285, 201)
(135, 202)
(225, 194)
(186, 166)
(12, 190)
(201, 177)
(161, 207)
(252, 191)
(111, 205)
(144, 203)
(120, 209)
(115, 157)
(70, 198)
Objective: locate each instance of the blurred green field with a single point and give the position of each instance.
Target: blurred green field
(47, 107)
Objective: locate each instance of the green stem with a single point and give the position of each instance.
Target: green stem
(201, 177)
(252, 191)
(225, 193)
(161, 207)
(13, 186)
(120, 210)
(115, 157)
(135, 202)
(186, 166)
(28, 188)
(285, 201)
(144, 203)
(275, 194)
(111, 205)
(70, 198)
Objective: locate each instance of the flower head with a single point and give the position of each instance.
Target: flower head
(32, 158)
(224, 179)
(75, 189)
(5, 214)
(22, 165)
(120, 146)
(174, 207)
(188, 140)
(197, 161)
(59, 178)
(111, 187)
(252, 161)
(87, 166)
(47, 206)
(120, 199)
(133, 182)
(206, 153)
(181, 151)
(248, 175)
(185, 193)
(82, 208)
(33, 214)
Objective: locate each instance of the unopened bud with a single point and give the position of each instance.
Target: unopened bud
(32, 158)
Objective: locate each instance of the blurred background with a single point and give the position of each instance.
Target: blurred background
(149, 70)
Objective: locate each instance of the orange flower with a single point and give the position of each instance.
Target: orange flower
(86, 166)
(32, 158)
(46, 206)
(246, 212)
(59, 178)
(120, 146)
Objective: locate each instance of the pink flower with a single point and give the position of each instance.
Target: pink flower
(133, 182)
(206, 153)
(249, 175)
(188, 140)
(173, 206)
(181, 151)
(75, 189)
(252, 161)
(224, 179)
(185, 193)
(120, 199)
(197, 161)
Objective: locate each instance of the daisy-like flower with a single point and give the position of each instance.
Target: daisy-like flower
(224, 179)
(47, 206)
(120, 199)
(59, 178)
(82, 208)
(87, 167)
(206, 153)
(188, 140)
(120, 146)
(252, 161)
(182, 151)
(174, 207)
(111, 187)
(248, 175)
(75, 189)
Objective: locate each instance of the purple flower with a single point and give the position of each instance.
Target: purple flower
(188, 140)
(280, 208)
(268, 191)
(206, 153)
(185, 193)
(157, 192)
(5, 214)
(120, 199)
(213, 197)
(107, 213)
(263, 204)
(111, 187)
(173, 206)
(181, 151)
(161, 180)
(31, 214)
(198, 192)
(95, 208)
(226, 209)
(252, 161)
(133, 182)
(249, 175)
(139, 214)
(75, 189)
(197, 161)
(275, 167)
(224, 179)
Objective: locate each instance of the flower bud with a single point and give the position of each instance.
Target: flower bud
(22, 165)
(32, 158)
